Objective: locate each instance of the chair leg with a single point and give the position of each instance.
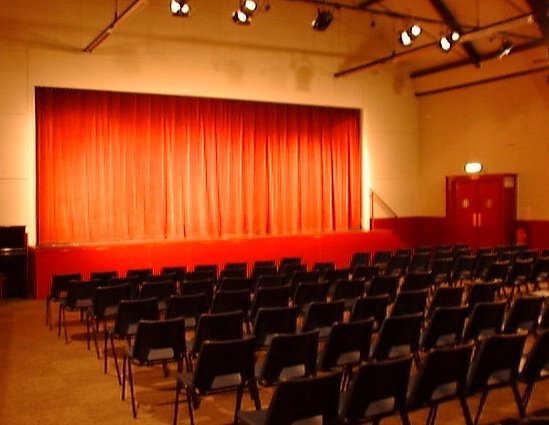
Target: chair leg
(518, 400)
(404, 418)
(176, 405)
(123, 394)
(132, 393)
(190, 405)
(466, 411)
(480, 406)
(238, 403)
(432, 415)
(526, 396)
(105, 338)
(115, 357)
(254, 394)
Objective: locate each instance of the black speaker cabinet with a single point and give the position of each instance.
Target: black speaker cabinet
(13, 261)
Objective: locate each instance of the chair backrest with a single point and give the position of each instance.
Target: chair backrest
(484, 260)
(359, 258)
(187, 306)
(177, 271)
(141, 274)
(217, 327)
(463, 267)
(497, 355)
(446, 296)
(419, 262)
(416, 280)
(225, 301)
(202, 286)
(130, 312)
(536, 364)
(397, 264)
(410, 302)
(270, 321)
(366, 272)
(441, 268)
(289, 356)
(80, 294)
(481, 292)
(347, 344)
(382, 284)
(445, 327)
(265, 280)
(234, 283)
(162, 290)
(103, 275)
(397, 336)
(322, 315)
(200, 274)
(323, 266)
(442, 375)
(371, 306)
(224, 365)
(524, 314)
(302, 276)
(519, 272)
(275, 296)
(306, 293)
(540, 270)
(485, 319)
(107, 299)
(363, 400)
(497, 271)
(159, 341)
(348, 289)
(60, 282)
(304, 398)
(212, 269)
(332, 276)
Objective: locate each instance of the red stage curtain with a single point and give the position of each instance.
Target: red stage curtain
(119, 167)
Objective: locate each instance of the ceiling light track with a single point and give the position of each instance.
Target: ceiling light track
(386, 12)
(477, 33)
(103, 35)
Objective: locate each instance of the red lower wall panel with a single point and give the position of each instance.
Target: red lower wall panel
(537, 233)
(416, 231)
(338, 247)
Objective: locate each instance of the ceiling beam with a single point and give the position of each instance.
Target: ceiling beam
(364, 4)
(445, 13)
(464, 62)
(540, 10)
(484, 81)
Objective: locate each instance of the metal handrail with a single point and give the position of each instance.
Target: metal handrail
(374, 197)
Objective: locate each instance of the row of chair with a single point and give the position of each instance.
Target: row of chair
(229, 365)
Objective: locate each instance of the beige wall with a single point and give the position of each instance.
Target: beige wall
(390, 113)
(504, 125)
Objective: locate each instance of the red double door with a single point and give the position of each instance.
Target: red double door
(481, 209)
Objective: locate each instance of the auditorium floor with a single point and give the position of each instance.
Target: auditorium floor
(45, 381)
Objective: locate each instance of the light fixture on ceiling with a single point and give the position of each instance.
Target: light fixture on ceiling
(243, 15)
(505, 48)
(180, 7)
(323, 20)
(447, 41)
(473, 167)
(408, 36)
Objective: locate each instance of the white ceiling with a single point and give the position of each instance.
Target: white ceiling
(358, 37)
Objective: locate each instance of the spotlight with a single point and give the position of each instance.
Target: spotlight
(447, 41)
(505, 48)
(248, 7)
(323, 20)
(243, 15)
(408, 36)
(180, 7)
(241, 18)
